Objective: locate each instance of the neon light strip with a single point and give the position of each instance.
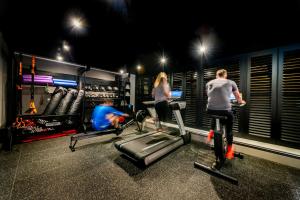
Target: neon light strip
(25, 76)
(64, 83)
(38, 81)
(63, 80)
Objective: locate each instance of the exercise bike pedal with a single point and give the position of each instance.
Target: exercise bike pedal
(120, 129)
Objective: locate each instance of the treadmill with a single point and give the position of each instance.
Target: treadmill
(147, 148)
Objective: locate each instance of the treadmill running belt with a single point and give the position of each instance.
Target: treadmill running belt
(145, 146)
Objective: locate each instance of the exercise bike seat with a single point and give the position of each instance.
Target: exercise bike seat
(218, 117)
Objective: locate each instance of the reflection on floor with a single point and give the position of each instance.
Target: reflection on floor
(49, 170)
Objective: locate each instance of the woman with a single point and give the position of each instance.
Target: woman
(161, 93)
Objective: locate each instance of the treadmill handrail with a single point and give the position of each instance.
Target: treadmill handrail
(176, 106)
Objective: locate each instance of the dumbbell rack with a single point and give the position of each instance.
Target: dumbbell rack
(125, 92)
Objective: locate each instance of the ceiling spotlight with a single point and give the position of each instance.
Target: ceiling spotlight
(59, 57)
(77, 22)
(121, 71)
(163, 60)
(201, 49)
(66, 47)
(139, 67)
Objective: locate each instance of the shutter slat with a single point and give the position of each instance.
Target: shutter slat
(190, 97)
(290, 94)
(260, 96)
(177, 85)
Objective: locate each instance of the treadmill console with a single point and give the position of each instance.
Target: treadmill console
(176, 94)
(173, 101)
(232, 98)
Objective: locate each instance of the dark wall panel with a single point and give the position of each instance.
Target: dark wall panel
(177, 84)
(290, 95)
(260, 96)
(191, 99)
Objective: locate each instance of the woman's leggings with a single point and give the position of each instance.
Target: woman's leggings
(162, 110)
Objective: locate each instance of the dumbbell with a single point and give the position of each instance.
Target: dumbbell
(102, 89)
(95, 88)
(109, 88)
(115, 88)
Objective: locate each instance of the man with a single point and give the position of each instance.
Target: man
(105, 116)
(218, 92)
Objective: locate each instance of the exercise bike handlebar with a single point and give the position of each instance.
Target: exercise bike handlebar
(236, 104)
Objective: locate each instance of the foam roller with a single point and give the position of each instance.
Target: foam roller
(56, 97)
(77, 103)
(66, 102)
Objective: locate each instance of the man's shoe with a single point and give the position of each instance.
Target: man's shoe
(119, 130)
(230, 152)
(210, 136)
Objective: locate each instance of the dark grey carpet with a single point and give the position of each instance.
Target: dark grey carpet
(49, 170)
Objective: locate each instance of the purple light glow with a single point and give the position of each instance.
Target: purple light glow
(37, 76)
(41, 79)
(38, 79)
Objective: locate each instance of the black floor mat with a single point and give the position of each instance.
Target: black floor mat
(49, 170)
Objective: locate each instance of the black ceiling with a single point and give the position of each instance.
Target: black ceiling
(125, 33)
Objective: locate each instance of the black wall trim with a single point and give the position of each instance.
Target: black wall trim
(282, 153)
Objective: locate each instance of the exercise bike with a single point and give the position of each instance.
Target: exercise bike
(220, 147)
(138, 118)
